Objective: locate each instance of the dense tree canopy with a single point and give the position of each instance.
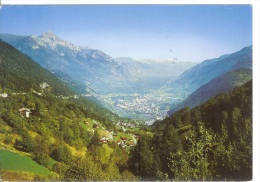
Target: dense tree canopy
(210, 142)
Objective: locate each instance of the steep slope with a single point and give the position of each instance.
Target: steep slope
(202, 73)
(54, 131)
(218, 85)
(53, 53)
(211, 142)
(19, 72)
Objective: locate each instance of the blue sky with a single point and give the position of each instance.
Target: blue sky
(188, 32)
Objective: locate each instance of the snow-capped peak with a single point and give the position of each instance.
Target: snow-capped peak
(52, 41)
(49, 34)
(49, 39)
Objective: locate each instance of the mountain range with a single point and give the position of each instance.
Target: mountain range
(47, 133)
(221, 84)
(212, 77)
(131, 88)
(94, 68)
(19, 72)
(202, 73)
(111, 80)
(21, 75)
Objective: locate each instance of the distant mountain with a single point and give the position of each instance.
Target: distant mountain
(202, 73)
(111, 79)
(154, 68)
(221, 84)
(53, 53)
(149, 74)
(93, 67)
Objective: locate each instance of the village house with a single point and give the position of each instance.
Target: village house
(25, 112)
(44, 85)
(123, 129)
(124, 139)
(104, 140)
(4, 95)
(119, 141)
(86, 122)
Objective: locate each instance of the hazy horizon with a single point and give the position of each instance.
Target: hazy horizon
(190, 33)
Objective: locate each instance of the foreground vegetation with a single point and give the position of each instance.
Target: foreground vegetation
(62, 136)
(210, 142)
(43, 119)
(52, 135)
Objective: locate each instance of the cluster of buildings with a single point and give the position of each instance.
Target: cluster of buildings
(124, 142)
(127, 125)
(109, 136)
(140, 105)
(68, 97)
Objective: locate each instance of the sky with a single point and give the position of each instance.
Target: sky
(186, 32)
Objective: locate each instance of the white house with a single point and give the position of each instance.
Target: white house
(44, 85)
(4, 95)
(25, 112)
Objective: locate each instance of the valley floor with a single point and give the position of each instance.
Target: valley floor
(147, 107)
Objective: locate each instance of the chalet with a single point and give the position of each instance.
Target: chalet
(75, 96)
(25, 112)
(124, 139)
(4, 95)
(86, 122)
(104, 140)
(123, 129)
(119, 141)
(44, 85)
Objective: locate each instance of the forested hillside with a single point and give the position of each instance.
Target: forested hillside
(61, 137)
(221, 84)
(21, 75)
(126, 93)
(19, 72)
(48, 132)
(117, 83)
(207, 70)
(66, 137)
(210, 142)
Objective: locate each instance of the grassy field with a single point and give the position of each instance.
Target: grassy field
(15, 162)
